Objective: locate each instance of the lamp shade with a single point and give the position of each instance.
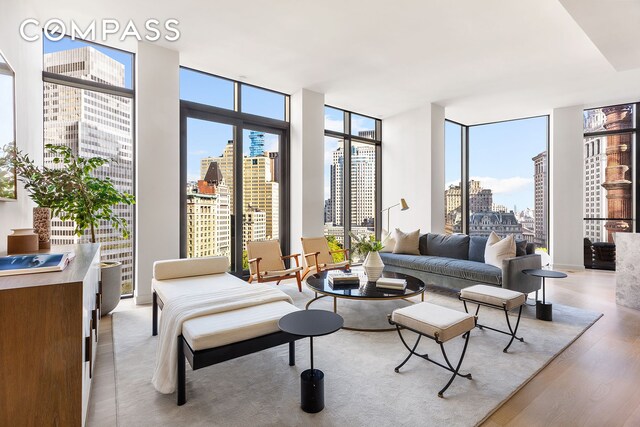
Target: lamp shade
(404, 204)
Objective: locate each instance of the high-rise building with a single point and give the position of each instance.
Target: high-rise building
(480, 199)
(337, 187)
(259, 180)
(363, 193)
(93, 124)
(209, 217)
(254, 226)
(503, 224)
(540, 199)
(595, 162)
(256, 148)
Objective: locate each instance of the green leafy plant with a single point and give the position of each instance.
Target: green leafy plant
(364, 245)
(72, 191)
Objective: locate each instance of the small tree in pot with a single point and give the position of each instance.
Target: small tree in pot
(73, 193)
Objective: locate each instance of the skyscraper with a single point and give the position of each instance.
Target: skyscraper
(257, 143)
(93, 124)
(595, 162)
(540, 199)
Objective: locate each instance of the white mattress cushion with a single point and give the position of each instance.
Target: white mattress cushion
(434, 320)
(167, 289)
(177, 268)
(494, 295)
(228, 327)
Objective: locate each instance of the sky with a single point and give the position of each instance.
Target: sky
(500, 157)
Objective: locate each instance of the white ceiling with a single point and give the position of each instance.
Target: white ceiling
(483, 60)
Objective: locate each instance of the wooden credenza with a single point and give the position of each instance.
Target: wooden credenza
(48, 335)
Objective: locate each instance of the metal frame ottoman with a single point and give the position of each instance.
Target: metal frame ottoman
(498, 298)
(437, 323)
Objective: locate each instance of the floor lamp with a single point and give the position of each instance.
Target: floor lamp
(404, 207)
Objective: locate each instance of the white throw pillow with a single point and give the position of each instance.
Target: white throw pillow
(497, 250)
(388, 241)
(407, 243)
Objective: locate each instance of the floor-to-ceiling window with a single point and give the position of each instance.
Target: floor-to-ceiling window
(609, 155)
(505, 167)
(351, 176)
(234, 167)
(88, 106)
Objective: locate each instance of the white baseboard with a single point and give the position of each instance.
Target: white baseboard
(142, 299)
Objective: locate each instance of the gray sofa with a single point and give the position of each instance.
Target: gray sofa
(456, 261)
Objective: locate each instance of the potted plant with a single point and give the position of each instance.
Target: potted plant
(75, 194)
(369, 248)
(43, 187)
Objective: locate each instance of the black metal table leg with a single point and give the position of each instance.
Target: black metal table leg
(544, 310)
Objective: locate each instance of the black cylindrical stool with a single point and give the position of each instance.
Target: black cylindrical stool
(544, 310)
(312, 390)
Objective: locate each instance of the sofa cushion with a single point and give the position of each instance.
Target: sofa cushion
(531, 248)
(448, 245)
(406, 243)
(521, 247)
(477, 245)
(463, 269)
(388, 241)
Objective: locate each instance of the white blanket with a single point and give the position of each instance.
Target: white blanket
(178, 310)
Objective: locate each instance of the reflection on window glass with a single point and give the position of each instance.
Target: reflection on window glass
(453, 177)
(333, 119)
(77, 58)
(206, 89)
(608, 182)
(509, 197)
(616, 117)
(260, 188)
(263, 102)
(209, 192)
(364, 127)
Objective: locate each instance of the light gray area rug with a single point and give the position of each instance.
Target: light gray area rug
(361, 387)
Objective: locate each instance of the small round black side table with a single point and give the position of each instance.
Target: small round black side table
(311, 323)
(544, 309)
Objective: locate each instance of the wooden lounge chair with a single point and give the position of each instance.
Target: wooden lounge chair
(319, 257)
(266, 263)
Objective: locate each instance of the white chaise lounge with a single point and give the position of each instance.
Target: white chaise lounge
(219, 317)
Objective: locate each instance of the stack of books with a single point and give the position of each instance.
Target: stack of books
(391, 283)
(342, 278)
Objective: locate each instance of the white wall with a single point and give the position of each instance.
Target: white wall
(566, 187)
(26, 60)
(437, 169)
(157, 162)
(413, 168)
(307, 160)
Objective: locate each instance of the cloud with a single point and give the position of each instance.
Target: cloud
(510, 185)
(333, 124)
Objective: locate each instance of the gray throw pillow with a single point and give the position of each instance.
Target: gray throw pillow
(521, 247)
(477, 245)
(448, 245)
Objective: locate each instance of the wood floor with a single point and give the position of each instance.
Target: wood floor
(595, 382)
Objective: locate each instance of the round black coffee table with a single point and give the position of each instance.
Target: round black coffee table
(319, 284)
(311, 323)
(544, 309)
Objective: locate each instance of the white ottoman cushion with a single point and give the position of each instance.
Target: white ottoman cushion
(434, 320)
(493, 295)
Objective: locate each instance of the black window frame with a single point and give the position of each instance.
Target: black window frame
(240, 121)
(347, 139)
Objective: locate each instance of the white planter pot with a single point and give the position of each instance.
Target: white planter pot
(111, 285)
(373, 266)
